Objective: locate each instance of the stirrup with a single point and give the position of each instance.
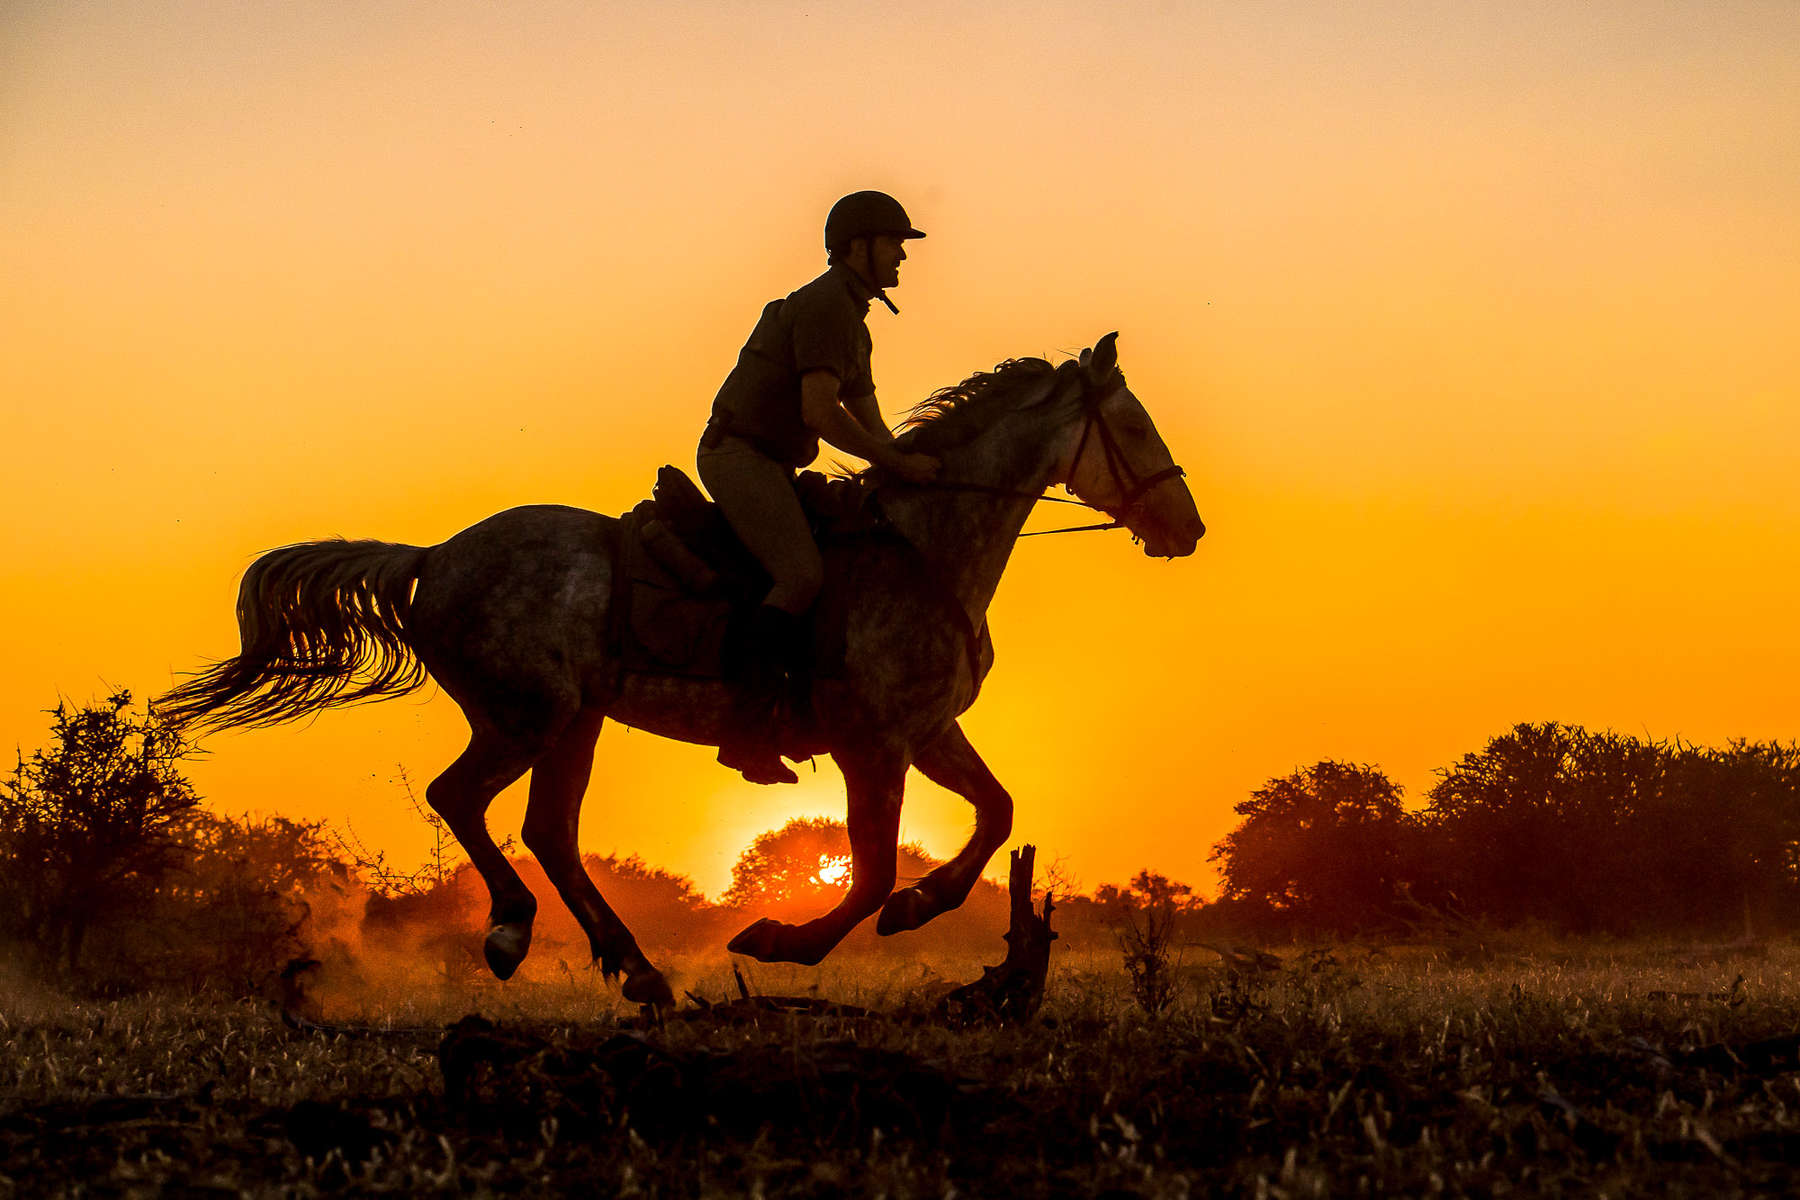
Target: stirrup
(757, 764)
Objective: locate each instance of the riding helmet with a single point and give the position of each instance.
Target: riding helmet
(865, 214)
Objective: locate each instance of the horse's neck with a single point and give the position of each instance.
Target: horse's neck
(968, 536)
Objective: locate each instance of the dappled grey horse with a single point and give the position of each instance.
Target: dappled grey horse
(510, 617)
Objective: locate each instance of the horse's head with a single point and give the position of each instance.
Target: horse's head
(1117, 462)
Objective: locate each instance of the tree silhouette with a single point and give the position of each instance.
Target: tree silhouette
(1602, 832)
(1531, 825)
(805, 862)
(658, 904)
(1725, 831)
(90, 826)
(1147, 890)
(1328, 846)
(237, 907)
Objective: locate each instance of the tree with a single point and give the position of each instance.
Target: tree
(660, 906)
(1603, 832)
(1548, 823)
(1747, 798)
(91, 826)
(804, 863)
(1329, 846)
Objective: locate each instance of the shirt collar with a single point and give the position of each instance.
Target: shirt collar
(860, 292)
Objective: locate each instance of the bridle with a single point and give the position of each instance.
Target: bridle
(1124, 478)
(1131, 485)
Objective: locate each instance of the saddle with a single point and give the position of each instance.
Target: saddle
(691, 584)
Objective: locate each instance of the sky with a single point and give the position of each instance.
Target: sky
(1473, 324)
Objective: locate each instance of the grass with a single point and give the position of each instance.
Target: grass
(1627, 1070)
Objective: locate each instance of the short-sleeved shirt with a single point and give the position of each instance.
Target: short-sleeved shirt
(820, 327)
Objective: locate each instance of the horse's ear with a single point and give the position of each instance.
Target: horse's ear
(1104, 359)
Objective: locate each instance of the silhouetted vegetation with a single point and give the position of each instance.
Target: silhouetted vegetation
(1329, 846)
(1146, 942)
(806, 861)
(243, 902)
(90, 827)
(116, 878)
(1605, 833)
(1579, 832)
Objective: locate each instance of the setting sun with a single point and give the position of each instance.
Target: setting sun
(834, 871)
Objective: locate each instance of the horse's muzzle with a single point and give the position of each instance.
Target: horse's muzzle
(1176, 543)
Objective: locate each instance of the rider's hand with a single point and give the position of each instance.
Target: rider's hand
(914, 468)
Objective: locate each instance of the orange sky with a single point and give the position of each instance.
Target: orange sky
(1474, 325)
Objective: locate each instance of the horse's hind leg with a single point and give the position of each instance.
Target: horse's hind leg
(951, 761)
(558, 781)
(461, 796)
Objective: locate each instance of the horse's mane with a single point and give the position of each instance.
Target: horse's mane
(952, 415)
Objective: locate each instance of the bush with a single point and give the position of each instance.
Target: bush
(90, 827)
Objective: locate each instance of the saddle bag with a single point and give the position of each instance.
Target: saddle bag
(674, 556)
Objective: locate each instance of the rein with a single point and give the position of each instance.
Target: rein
(1116, 465)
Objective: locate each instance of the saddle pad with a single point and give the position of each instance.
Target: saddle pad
(669, 629)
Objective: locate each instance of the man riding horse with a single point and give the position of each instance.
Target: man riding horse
(510, 616)
(803, 375)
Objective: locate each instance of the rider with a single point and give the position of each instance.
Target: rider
(803, 375)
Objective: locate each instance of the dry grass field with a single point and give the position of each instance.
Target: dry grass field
(1616, 1070)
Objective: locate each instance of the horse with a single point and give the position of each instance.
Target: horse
(510, 617)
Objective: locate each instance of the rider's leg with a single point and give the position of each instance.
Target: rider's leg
(756, 495)
(751, 743)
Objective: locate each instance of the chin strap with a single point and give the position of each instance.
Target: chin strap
(874, 292)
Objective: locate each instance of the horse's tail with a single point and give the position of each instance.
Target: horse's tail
(321, 623)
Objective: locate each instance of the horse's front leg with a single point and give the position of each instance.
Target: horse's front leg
(949, 760)
(876, 785)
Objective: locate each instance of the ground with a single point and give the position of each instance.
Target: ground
(1623, 1070)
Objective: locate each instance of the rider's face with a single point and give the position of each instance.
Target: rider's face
(886, 253)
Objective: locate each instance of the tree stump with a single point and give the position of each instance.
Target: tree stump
(1013, 990)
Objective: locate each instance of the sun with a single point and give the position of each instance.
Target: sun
(833, 870)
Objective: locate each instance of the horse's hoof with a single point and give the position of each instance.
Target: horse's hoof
(906, 909)
(505, 949)
(647, 986)
(758, 940)
(771, 941)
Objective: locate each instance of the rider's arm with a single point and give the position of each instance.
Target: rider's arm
(826, 416)
(868, 414)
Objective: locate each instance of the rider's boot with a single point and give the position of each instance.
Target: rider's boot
(750, 745)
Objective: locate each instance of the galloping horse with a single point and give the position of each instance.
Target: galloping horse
(510, 617)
